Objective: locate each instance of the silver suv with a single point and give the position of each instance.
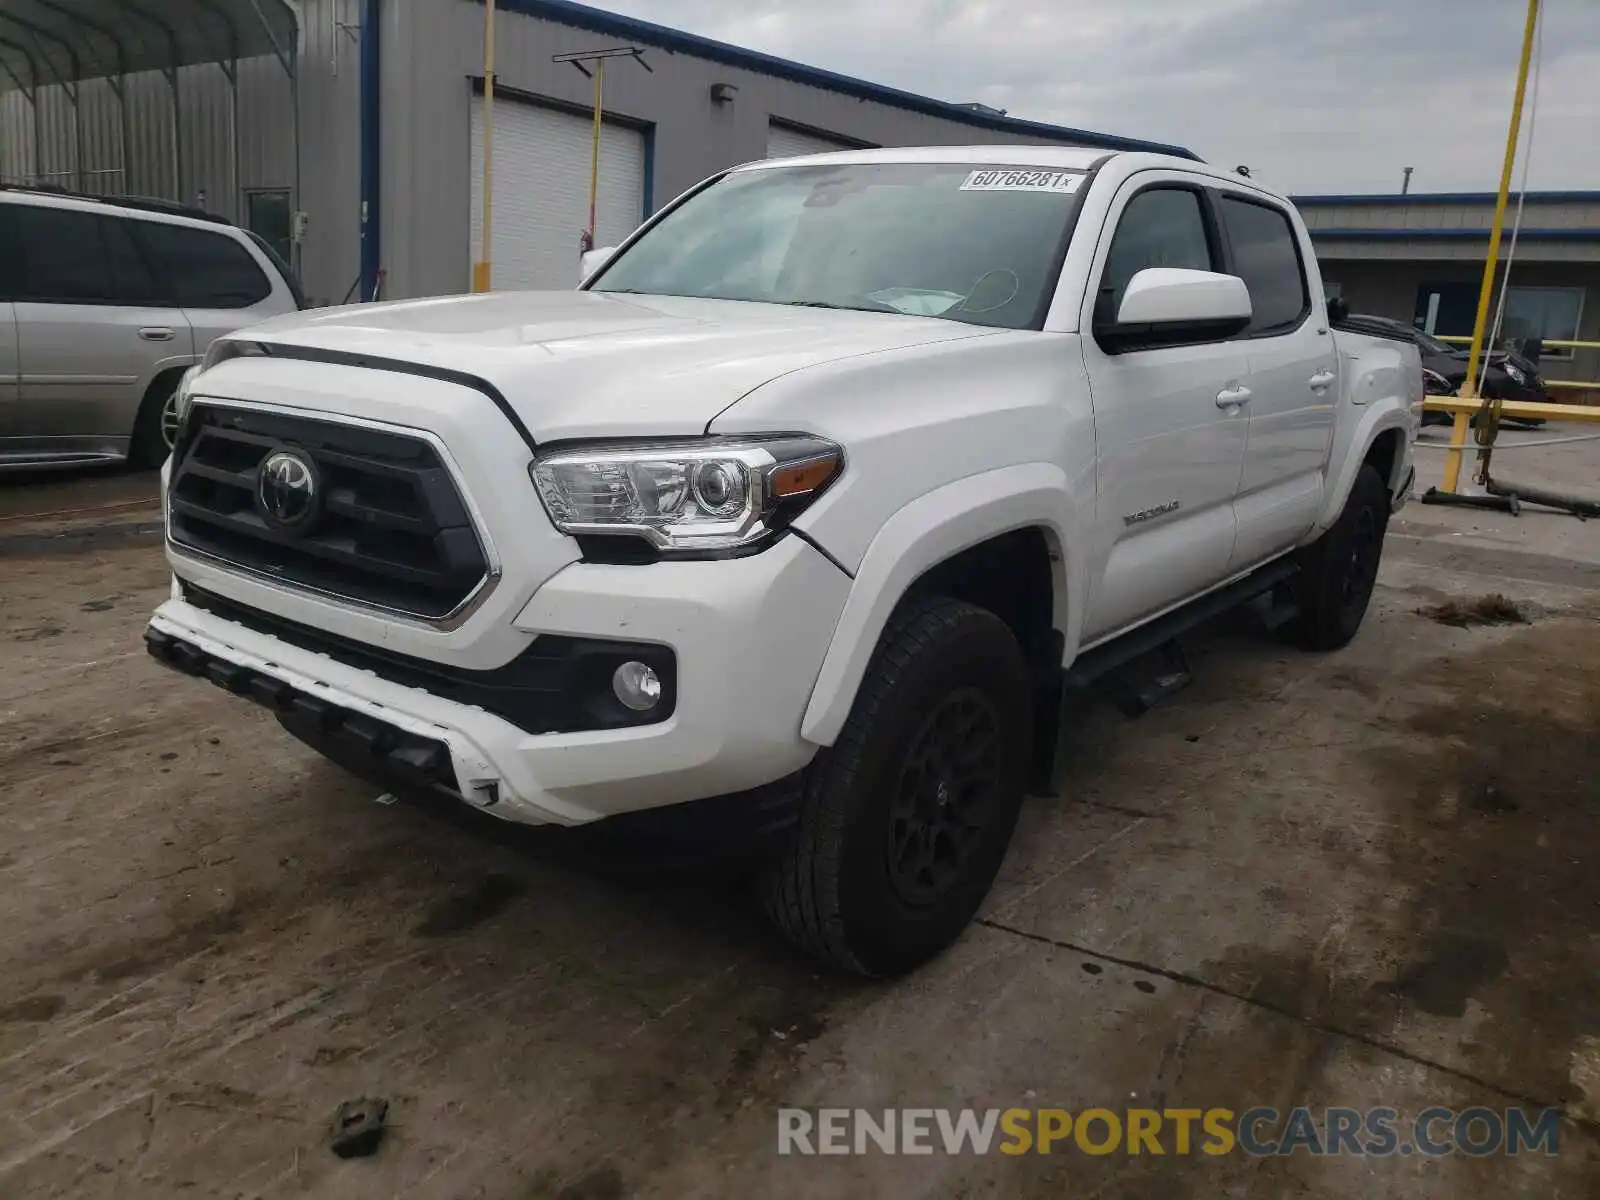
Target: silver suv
(104, 304)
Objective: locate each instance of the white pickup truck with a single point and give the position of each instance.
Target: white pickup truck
(799, 515)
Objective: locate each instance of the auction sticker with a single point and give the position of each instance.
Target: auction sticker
(1012, 179)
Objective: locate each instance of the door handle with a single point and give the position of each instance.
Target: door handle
(1322, 381)
(156, 333)
(1232, 397)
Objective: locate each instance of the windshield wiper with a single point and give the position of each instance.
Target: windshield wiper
(842, 307)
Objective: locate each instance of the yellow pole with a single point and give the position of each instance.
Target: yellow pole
(482, 269)
(1452, 457)
(594, 150)
(1469, 389)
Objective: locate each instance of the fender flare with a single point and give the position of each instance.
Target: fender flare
(1376, 420)
(932, 528)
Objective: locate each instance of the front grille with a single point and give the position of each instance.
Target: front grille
(389, 530)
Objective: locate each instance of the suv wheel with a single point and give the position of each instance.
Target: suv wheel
(156, 429)
(1338, 570)
(906, 819)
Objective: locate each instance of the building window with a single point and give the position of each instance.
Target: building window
(1332, 290)
(1551, 313)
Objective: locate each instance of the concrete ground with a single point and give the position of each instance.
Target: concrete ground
(1364, 878)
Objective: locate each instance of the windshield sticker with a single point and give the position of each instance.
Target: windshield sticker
(1011, 180)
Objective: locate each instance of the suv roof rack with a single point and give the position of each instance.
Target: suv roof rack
(171, 208)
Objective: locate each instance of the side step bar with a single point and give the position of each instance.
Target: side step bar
(1103, 659)
(1108, 666)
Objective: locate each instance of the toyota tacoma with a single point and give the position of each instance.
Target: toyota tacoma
(804, 510)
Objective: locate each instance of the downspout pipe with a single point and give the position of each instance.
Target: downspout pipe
(369, 86)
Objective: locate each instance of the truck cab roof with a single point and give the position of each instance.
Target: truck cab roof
(1070, 158)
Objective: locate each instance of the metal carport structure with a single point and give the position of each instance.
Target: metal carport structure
(69, 42)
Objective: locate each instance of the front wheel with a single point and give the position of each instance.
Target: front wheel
(906, 819)
(1339, 570)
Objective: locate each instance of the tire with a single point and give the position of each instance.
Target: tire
(150, 446)
(1339, 569)
(885, 871)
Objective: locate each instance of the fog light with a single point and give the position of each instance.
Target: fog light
(637, 686)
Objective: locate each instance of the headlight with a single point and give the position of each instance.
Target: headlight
(707, 494)
(221, 350)
(183, 398)
(1516, 374)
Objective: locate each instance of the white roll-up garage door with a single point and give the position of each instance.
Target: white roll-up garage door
(783, 142)
(541, 191)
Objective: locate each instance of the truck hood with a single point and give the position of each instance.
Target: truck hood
(597, 364)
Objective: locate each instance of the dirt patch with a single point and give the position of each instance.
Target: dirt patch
(1496, 801)
(183, 943)
(1468, 966)
(1485, 610)
(1492, 798)
(461, 912)
(1459, 966)
(40, 1007)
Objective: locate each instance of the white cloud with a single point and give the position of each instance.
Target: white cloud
(1315, 95)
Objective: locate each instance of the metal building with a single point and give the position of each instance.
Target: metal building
(1419, 258)
(367, 118)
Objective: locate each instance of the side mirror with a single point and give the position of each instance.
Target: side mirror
(1169, 306)
(1338, 310)
(592, 260)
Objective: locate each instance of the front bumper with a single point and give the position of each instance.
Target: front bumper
(749, 636)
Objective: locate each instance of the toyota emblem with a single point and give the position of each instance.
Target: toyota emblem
(288, 491)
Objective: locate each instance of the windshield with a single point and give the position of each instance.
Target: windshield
(967, 243)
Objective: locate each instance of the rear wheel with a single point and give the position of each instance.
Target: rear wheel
(1340, 569)
(156, 429)
(906, 819)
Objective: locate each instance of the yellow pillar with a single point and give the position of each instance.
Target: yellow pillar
(482, 269)
(1452, 458)
(594, 149)
(1486, 289)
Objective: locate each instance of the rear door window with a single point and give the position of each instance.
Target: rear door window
(202, 269)
(70, 257)
(1267, 258)
(10, 258)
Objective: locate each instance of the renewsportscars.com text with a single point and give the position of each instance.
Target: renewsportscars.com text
(1377, 1132)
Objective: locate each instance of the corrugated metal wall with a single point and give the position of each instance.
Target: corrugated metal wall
(434, 48)
(330, 150)
(1323, 219)
(87, 153)
(1563, 214)
(430, 52)
(325, 60)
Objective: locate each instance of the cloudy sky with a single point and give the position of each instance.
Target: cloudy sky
(1315, 95)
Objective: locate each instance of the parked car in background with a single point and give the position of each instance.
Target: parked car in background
(1510, 376)
(104, 304)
